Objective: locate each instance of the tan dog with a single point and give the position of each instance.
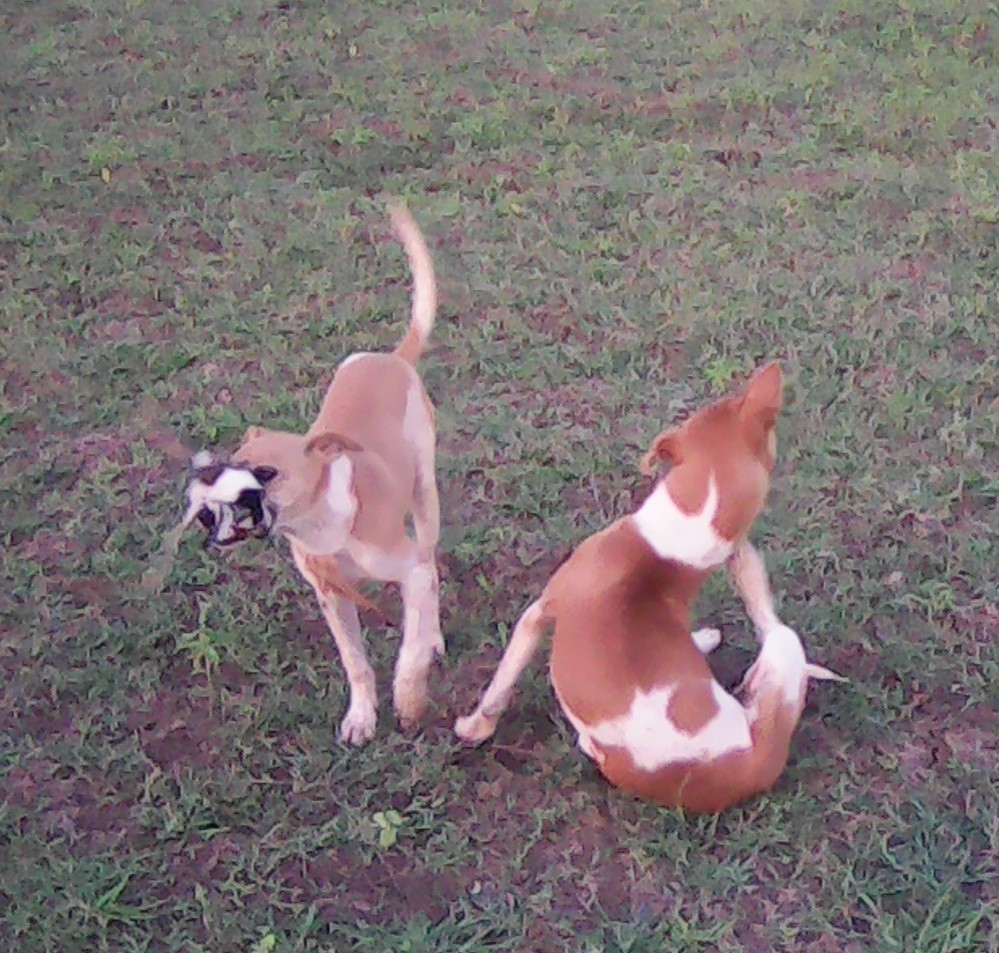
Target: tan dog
(626, 669)
(343, 492)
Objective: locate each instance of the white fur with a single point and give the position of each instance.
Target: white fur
(524, 641)
(421, 641)
(653, 741)
(750, 576)
(376, 563)
(231, 483)
(687, 538)
(325, 530)
(414, 418)
(706, 640)
(226, 488)
(781, 663)
(339, 493)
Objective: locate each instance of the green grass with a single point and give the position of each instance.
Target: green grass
(629, 206)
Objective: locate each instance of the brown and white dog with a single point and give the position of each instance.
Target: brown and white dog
(626, 669)
(343, 491)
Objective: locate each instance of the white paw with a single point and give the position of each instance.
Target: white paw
(475, 728)
(706, 640)
(358, 727)
(409, 698)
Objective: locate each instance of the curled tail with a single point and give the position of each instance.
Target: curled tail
(424, 286)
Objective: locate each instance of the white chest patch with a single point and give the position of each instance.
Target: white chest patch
(323, 530)
(339, 497)
(652, 739)
(376, 564)
(687, 538)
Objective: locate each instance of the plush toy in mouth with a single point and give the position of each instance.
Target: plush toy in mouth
(228, 500)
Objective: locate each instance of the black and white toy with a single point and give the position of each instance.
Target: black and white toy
(229, 501)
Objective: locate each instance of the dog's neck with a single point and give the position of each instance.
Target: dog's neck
(322, 522)
(687, 538)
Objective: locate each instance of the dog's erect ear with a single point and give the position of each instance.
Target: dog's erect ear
(762, 399)
(264, 475)
(252, 433)
(329, 445)
(665, 449)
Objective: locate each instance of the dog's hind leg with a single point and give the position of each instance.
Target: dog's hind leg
(427, 506)
(421, 641)
(421, 634)
(481, 724)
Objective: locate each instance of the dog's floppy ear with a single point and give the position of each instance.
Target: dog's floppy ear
(664, 449)
(329, 445)
(264, 474)
(762, 399)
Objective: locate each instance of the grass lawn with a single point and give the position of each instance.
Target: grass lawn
(630, 205)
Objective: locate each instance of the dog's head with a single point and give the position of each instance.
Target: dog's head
(732, 440)
(311, 492)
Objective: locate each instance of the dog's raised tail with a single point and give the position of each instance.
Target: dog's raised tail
(424, 285)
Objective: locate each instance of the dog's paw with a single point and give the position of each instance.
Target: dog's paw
(706, 640)
(409, 707)
(410, 696)
(475, 728)
(358, 727)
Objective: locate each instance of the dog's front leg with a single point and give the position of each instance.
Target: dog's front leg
(358, 726)
(749, 573)
(480, 725)
(421, 641)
